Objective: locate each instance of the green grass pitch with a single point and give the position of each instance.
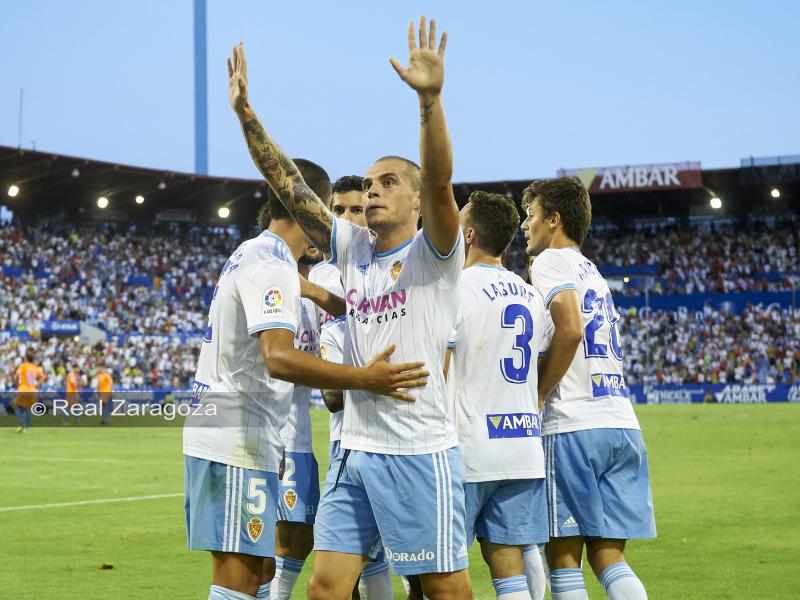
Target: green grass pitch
(725, 479)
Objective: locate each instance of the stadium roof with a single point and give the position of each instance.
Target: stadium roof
(67, 188)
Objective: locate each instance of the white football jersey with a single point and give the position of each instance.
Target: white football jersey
(331, 347)
(496, 342)
(258, 289)
(408, 297)
(296, 433)
(593, 393)
(326, 276)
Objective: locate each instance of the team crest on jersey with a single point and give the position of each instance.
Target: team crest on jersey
(290, 498)
(608, 384)
(273, 303)
(513, 425)
(254, 528)
(396, 268)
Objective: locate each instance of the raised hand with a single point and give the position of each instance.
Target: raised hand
(388, 379)
(237, 79)
(425, 72)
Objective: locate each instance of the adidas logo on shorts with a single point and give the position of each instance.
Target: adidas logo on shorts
(570, 522)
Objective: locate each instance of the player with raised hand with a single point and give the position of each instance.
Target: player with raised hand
(498, 334)
(597, 474)
(401, 288)
(246, 371)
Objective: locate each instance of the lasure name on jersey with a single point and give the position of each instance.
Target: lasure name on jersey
(502, 289)
(513, 425)
(383, 308)
(608, 384)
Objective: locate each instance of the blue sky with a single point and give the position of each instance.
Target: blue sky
(530, 86)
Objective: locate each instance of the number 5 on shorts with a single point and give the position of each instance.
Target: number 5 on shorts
(260, 496)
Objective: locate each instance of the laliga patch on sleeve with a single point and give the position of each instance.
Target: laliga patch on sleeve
(273, 303)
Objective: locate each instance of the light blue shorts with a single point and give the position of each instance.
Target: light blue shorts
(299, 492)
(413, 506)
(229, 509)
(598, 484)
(335, 453)
(511, 512)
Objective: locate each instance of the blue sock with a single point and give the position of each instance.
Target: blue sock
(263, 591)
(292, 565)
(621, 582)
(567, 584)
(218, 592)
(511, 585)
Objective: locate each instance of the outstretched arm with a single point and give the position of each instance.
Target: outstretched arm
(329, 302)
(278, 169)
(425, 75)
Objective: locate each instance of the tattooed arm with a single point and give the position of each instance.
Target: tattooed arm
(278, 169)
(425, 74)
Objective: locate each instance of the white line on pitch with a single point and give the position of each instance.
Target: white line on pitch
(84, 502)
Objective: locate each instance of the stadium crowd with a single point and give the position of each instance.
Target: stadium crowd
(703, 258)
(759, 345)
(118, 278)
(137, 361)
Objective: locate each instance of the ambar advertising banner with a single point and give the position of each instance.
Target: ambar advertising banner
(638, 178)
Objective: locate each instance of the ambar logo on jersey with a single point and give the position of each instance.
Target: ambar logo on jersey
(513, 425)
(609, 384)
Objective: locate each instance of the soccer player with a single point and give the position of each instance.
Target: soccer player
(104, 385)
(597, 475)
(400, 287)
(498, 334)
(29, 376)
(73, 389)
(232, 453)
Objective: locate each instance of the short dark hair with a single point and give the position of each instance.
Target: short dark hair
(495, 218)
(348, 183)
(567, 197)
(29, 356)
(412, 172)
(315, 177)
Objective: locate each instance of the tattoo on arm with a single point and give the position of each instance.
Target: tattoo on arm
(285, 180)
(425, 113)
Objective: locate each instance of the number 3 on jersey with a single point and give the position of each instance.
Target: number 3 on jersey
(515, 314)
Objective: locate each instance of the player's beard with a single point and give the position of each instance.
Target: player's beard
(311, 260)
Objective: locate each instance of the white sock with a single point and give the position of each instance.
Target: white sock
(621, 583)
(273, 592)
(217, 592)
(535, 571)
(376, 583)
(285, 578)
(264, 591)
(567, 584)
